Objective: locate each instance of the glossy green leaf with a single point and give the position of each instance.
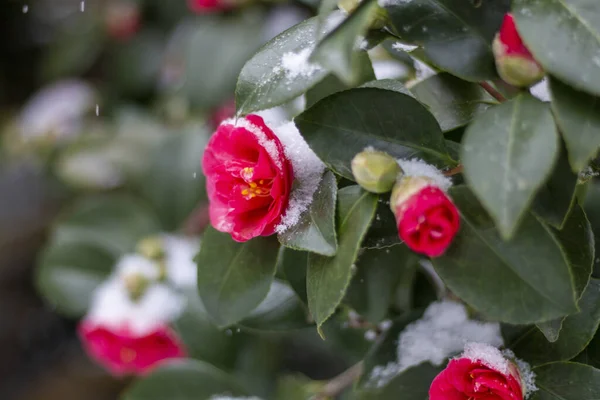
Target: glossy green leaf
(524, 280)
(328, 277)
(508, 152)
(281, 310)
(174, 183)
(591, 354)
(114, 223)
(234, 278)
(294, 264)
(578, 116)
(183, 380)
(564, 36)
(577, 331)
(339, 50)
(566, 381)
(577, 241)
(456, 35)
(315, 231)
(413, 383)
(372, 290)
(68, 274)
(453, 101)
(264, 83)
(384, 119)
(383, 231)
(556, 197)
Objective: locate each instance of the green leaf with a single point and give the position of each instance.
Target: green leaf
(591, 354)
(174, 183)
(263, 82)
(328, 277)
(577, 241)
(524, 280)
(339, 50)
(114, 223)
(362, 117)
(234, 278)
(281, 310)
(453, 101)
(578, 116)
(315, 231)
(68, 274)
(577, 331)
(556, 197)
(215, 55)
(183, 380)
(508, 152)
(564, 36)
(456, 35)
(372, 290)
(294, 264)
(383, 231)
(566, 381)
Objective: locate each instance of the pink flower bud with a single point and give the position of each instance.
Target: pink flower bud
(210, 6)
(514, 61)
(426, 217)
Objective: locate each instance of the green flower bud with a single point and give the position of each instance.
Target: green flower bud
(375, 171)
(152, 247)
(136, 285)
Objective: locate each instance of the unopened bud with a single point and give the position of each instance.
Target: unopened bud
(514, 61)
(136, 285)
(152, 247)
(375, 171)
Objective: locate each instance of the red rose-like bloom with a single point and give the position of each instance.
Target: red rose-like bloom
(514, 61)
(427, 219)
(248, 178)
(464, 379)
(208, 6)
(123, 353)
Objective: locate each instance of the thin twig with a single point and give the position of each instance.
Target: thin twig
(454, 171)
(338, 384)
(493, 92)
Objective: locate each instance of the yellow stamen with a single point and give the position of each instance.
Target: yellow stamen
(253, 185)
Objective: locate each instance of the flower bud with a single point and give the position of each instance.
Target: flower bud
(152, 247)
(136, 285)
(375, 171)
(427, 219)
(514, 61)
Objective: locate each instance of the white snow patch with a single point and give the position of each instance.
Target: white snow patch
(418, 167)
(443, 330)
(180, 252)
(297, 65)
(113, 307)
(423, 71)
(404, 47)
(487, 355)
(541, 90)
(136, 264)
(308, 169)
(389, 69)
(269, 145)
(527, 375)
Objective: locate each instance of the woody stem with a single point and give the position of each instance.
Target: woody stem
(493, 92)
(454, 171)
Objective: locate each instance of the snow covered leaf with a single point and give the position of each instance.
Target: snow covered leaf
(508, 152)
(578, 115)
(315, 232)
(183, 379)
(280, 311)
(280, 71)
(339, 50)
(564, 36)
(174, 183)
(556, 197)
(524, 280)
(453, 102)
(329, 277)
(577, 331)
(383, 119)
(456, 35)
(234, 278)
(577, 242)
(566, 381)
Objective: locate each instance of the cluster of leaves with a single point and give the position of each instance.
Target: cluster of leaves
(528, 204)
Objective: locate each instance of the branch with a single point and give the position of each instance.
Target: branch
(454, 171)
(493, 92)
(338, 384)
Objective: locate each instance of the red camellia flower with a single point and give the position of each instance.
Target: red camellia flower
(248, 178)
(123, 353)
(208, 6)
(426, 217)
(514, 61)
(466, 379)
